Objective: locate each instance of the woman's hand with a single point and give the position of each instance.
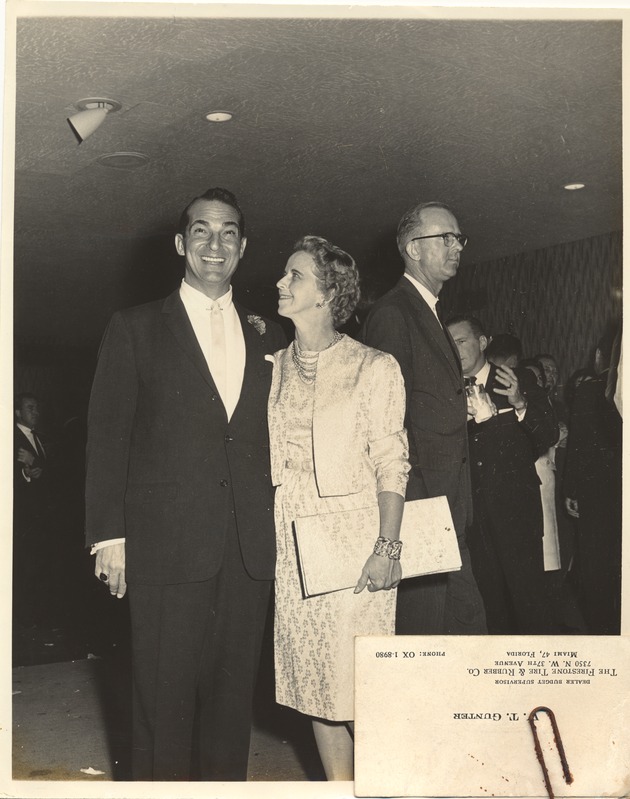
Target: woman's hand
(380, 573)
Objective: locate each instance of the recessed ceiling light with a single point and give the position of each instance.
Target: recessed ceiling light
(123, 160)
(218, 116)
(574, 186)
(91, 103)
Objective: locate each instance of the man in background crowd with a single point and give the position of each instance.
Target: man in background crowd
(593, 490)
(505, 538)
(504, 349)
(32, 546)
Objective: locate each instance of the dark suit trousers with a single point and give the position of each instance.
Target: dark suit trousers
(441, 604)
(195, 655)
(510, 573)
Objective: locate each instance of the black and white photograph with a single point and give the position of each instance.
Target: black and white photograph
(311, 325)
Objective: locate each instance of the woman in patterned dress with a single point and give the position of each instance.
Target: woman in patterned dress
(336, 412)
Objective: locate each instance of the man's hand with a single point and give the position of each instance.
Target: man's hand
(110, 561)
(572, 507)
(380, 573)
(25, 457)
(512, 391)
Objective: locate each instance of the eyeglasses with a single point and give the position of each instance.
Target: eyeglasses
(448, 238)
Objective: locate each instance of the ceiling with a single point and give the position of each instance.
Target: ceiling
(339, 126)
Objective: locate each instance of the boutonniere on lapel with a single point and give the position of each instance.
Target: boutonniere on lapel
(258, 323)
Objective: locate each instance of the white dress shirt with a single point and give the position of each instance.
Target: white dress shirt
(427, 296)
(482, 375)
(35, 443)
(198, 307)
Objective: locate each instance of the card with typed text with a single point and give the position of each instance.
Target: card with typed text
(492, 716)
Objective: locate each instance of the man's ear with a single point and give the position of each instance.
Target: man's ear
(483, 342)
(179, 244)
(243, 245)
(412, 250)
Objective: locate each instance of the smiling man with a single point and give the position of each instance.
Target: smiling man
(179, 501)
(405, 322)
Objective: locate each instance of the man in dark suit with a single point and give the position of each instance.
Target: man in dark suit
(505, 539)
(32, 543)
(405, 322)
(30, 456)
(178, 468)
(593, 489)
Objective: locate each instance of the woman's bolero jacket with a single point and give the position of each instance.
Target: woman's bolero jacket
(358, 420)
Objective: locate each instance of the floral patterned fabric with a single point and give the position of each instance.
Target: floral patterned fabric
(314, 637)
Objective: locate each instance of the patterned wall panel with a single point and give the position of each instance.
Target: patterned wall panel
(559, 300)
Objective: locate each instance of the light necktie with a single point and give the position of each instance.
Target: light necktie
(219, 353)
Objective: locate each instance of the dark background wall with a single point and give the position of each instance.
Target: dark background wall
(558, 299)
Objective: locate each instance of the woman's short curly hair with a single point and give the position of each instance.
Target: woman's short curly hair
(338, 275)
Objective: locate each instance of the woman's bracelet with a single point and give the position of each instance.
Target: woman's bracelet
(385, 546)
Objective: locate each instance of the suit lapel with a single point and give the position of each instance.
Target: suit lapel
(430, 323)
(24, 442)
(179, 324)
(257, 374)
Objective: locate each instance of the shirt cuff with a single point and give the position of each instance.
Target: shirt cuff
(520, 415)
(107, 543)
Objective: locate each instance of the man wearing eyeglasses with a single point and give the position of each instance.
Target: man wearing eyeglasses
(406, 323)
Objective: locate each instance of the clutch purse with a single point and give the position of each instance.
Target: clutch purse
(333, 547)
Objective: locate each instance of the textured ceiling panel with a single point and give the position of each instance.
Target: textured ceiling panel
(339, 126)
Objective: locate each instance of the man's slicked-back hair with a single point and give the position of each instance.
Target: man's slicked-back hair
(220, 195)
(411, 220)
(503, 345)
(23, 395)
(475, 325)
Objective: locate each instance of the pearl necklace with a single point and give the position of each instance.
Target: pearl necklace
(306, 364)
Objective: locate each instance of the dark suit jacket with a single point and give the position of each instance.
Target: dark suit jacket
(30, 497)
(165, 469)
(502, 456)
(402, 324)
(20, 441)
(593, 467)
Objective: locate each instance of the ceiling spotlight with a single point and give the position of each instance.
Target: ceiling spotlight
(574, 186)
(122, 160)
(91, 113)
(218, 116)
